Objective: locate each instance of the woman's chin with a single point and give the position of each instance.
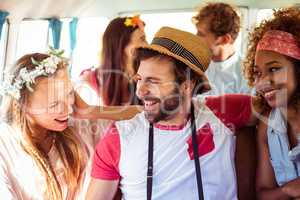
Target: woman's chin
(59, 127)
(276, 103)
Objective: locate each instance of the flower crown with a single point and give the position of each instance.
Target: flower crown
(12, 86)
(134, 22)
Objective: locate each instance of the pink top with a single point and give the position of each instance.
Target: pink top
(93, 82)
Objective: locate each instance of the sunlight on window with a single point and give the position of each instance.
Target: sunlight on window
(241, 41)
(3, 41)
(33, 36)
(180, 20)
(64, 36)
(183, 21)
(263, 14)
(89, 44)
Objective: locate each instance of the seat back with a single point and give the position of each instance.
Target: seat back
(245, 162)
(118, 195)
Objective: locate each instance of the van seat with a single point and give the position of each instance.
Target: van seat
(245, 162)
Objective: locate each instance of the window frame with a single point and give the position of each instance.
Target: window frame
(3, 48)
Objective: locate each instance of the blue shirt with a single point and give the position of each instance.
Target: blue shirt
(285, 170)
(226, 76)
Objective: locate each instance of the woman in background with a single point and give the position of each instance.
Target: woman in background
(112, 81)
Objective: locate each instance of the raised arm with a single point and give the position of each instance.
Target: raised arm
(85, 111)
(101, 189)
(266, 185)
(234, 110)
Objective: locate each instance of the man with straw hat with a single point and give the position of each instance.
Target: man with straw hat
(178, 147)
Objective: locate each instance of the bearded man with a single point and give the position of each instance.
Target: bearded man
(179, 147)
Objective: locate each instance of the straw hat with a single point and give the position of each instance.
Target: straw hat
(185, 47)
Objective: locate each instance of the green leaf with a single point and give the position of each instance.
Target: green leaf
(55, 52)
(60, 53)
(51, 48)
(34, 61)
(28, 86)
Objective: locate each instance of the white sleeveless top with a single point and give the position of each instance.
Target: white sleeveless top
(20, 176)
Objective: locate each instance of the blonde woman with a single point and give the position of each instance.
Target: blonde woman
(41, 156)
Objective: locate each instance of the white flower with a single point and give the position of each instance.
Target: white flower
(15, 93)
(25, 75)
(2, 91)
(50, 64)
(18, 84)
(56, 60)
(45, 67)
(50, 69)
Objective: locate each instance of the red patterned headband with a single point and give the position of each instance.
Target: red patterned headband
(281, 42)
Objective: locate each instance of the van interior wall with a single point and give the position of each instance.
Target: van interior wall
(36, 9)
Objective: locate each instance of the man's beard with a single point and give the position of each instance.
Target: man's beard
(168, 107)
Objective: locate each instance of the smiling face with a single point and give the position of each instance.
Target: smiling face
(157, 89)
(274, 78)
(50, 105)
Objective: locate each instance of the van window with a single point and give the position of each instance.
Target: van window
(89, 43)
(183, 21)
(32, 37)
(3, 42)
(263, 14)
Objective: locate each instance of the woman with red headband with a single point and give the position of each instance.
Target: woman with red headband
(273, 67)
(112, 81)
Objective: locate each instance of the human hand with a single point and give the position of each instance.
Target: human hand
(292, 188)
(80, 108)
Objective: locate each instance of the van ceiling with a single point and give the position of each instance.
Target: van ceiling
(38, 9)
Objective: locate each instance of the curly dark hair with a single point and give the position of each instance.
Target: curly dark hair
(223, 19)
(284, 19)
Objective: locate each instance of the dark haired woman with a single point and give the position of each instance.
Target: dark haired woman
(273, 68)
(112, 81)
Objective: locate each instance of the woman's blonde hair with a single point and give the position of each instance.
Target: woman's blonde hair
(71, 151)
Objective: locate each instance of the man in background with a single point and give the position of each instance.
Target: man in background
(219, 25)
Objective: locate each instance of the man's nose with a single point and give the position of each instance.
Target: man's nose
(142, 90)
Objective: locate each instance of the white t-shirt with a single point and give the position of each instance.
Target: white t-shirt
(123, 153)
(226, 77)
(20, 176)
